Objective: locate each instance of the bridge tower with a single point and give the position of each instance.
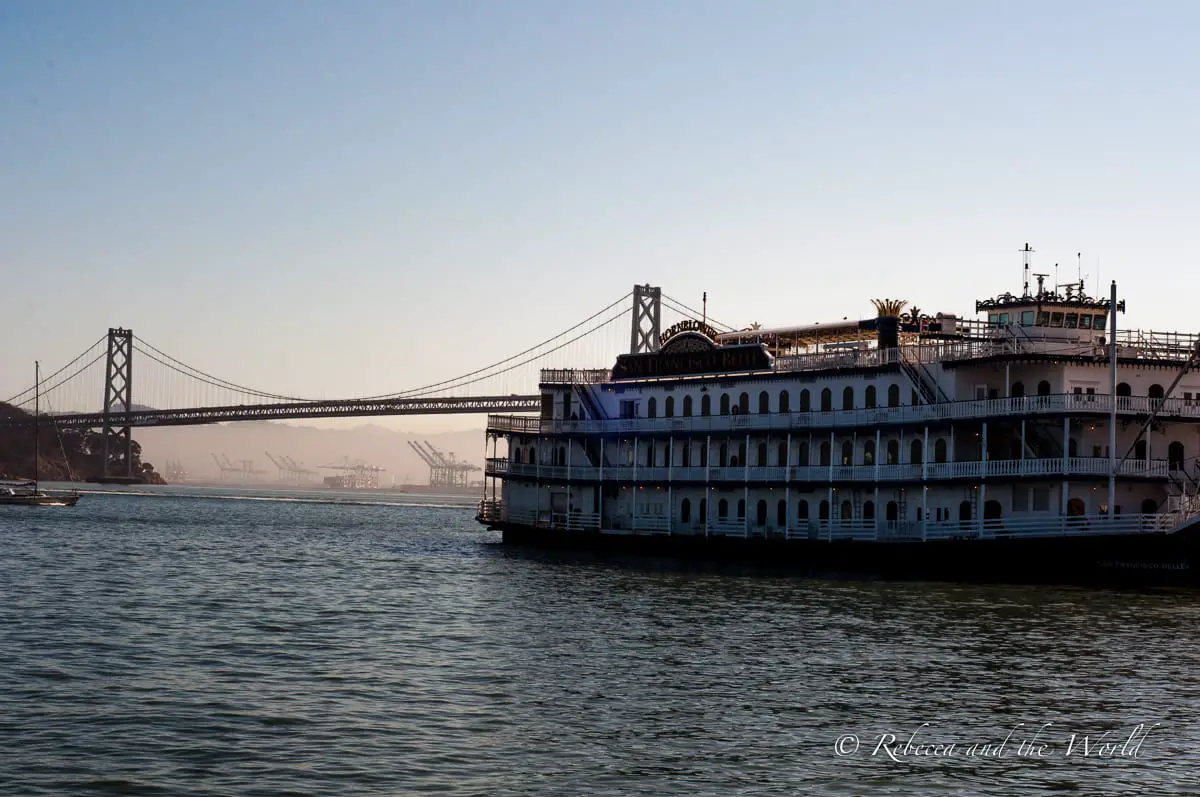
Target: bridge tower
(647, 319)
(118, 401)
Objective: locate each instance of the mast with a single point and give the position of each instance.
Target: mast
(37, 386)
(1112, 392)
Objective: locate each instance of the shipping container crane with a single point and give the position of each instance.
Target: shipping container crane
(356, 476)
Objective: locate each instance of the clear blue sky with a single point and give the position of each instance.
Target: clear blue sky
(348, 198)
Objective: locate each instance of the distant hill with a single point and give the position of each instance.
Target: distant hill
(63, 454)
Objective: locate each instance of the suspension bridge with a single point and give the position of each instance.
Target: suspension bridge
(97, 389)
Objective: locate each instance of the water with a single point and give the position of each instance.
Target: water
(244, 644)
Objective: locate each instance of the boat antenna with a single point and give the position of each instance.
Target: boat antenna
(704, 309)
(1056, 279)
(1028, 255)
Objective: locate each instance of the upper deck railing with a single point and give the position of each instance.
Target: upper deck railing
(1024, 406)
(1011, 340)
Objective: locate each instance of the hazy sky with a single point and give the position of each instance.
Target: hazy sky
(346, 198)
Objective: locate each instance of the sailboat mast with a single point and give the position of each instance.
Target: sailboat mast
(37, 387)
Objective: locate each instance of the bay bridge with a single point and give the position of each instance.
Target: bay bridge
(97, 389)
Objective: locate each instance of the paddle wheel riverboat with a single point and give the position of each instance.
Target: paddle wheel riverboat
(1036, 443)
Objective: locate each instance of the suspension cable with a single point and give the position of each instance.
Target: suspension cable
(676, 305)
(13, 400)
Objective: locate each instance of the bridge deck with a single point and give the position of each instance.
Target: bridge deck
(307, 409)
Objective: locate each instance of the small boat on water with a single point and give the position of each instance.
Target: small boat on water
(28, 492)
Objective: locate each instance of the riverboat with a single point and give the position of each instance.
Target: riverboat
(1036, 443)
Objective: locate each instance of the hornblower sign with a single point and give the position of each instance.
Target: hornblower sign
(692, 353)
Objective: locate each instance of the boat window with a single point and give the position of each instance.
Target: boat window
(1056, 319)
(722, 509)
(724, 403)
(993, 318)
(869, 400)
(1098, 321)
(1085, 321)
(802, 510)
(1043, 318)
(687, 406)
(805, 401)
(652, 408)
(706, 404)
(894, 396)
(669, 407)
(1003, 318)
(1071, 321)
(1027, 318)
(784, 405)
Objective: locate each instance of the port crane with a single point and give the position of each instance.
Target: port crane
(444, 469)
(356, 475)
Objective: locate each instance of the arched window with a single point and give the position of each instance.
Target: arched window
(847, 453)
(706, 405)
(741, 509)
(687, 453)
(566, 406)
(724, 403)
(1149, 506)
(722, 509)
(964, 512)
(516, 455)
(1018, 390)
(805, 401)
(869, 452)
(704, 455)
(823, 511)
(802, 510)
(1175, 456)
(1043, 388)
(764, 403)
(1155, 392)
(916, 453)
(762, 455)
(1075, 507)
(869, 510)
(652, 408)
(939, 450)
(744, 404)
(742, 454)
(802, 454)
(784, 406)
(760, 513)
(723, 455)
(685, 511)
(687, 406)
(669, 407)
(869, 398)
(893, 395)
(1072, 447)
(825, 453)
(650, 455)
(847, 511)
(533, 455)
(848, 398)
(783, 454)
(1123, 389)
(826, 400)
(893, 452)
(562, 455)
(781, 513)
(703, 510)
(892, 512)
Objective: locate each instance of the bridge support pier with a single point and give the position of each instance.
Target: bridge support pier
(118, 402)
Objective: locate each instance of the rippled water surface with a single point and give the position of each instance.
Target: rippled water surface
(181, 644)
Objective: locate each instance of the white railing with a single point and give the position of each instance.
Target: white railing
(994, 340)
(860, 530)
(1053, 466)
(982, 409)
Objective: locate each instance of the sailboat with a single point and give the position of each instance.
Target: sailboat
(27, 493)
